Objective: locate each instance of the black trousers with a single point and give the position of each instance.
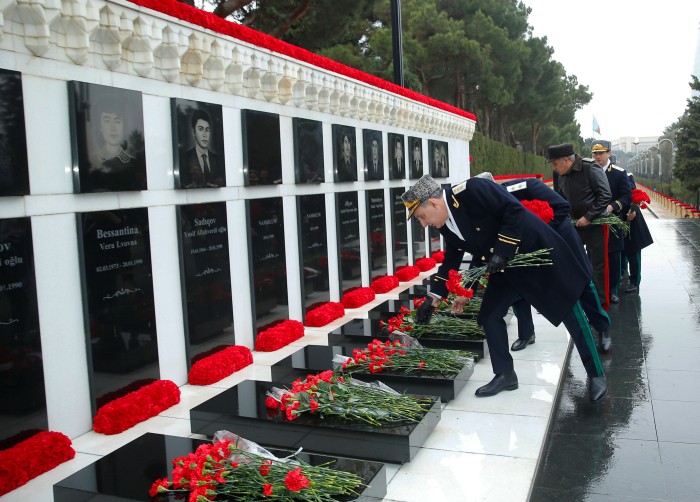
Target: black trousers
(593, 237)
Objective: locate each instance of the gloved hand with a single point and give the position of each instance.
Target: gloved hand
(425, 311)
(497, 263)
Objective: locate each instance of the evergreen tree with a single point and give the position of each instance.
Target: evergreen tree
(687, 165)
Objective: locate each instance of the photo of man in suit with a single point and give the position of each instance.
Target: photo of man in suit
(374, 163)
(415, 158)
(396, 153)
(199, 165)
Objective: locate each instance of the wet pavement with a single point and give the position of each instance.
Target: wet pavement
(642, 443)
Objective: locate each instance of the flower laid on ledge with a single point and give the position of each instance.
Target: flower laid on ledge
(357, 297)
(541, 208)
(324, 314)
(407, 273)
(640, 199)
(445, 305)
(217, 366)
(279, 335)
(233, 468)
(135, 407)
(32, 457)
(443, 324)
(425, 264)
(329, 395)
(438, 256)
(395, 357)
(384, 284)
(454, 285)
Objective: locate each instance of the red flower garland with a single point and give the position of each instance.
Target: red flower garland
(32, 457)
(454, 285)
(541, 208)
(425, 264)
(357, 297)
(217, 366)
(407, 272)
(324, 314)
(438, 256)
(640, 198)
(279, 335)
(384, 284)
(209, 21)
(125, 412)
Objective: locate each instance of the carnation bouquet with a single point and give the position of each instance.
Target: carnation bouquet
(640, 199)
(537, 258)
(327, 394)
(233, 468)
(615, 224)
(441, 323)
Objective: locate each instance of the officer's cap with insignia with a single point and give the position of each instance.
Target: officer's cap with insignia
(424, 189)
(600, 146)
(555, 152)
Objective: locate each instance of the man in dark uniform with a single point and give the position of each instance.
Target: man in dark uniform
(618, 205)
(638, 239)
(586, 188)
(534, 189)
(479, 217)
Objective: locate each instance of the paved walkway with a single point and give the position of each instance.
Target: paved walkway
(642, 443)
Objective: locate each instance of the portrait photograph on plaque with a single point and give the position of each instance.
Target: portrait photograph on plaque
(23, 407)
(206, 277)
(399, 228)
(262, 151)
(376, 224)
(397, 158)
(198, 144)
(308, 151)
(267, 261)
(120, 321)
(348, 240)
(107, 138)
(439, 163)
(415, 158)
(14, 171)
(344, 153)
(314, 250)
(374, 160)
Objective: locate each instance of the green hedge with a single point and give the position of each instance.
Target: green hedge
(499, 159)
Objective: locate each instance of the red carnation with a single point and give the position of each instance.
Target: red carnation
(279, 335)
(438, 256)
(407, 273)
(640, 198)
(219, 365)
(267, 489)
(425, 264)
(295, 480)
(541, 208)
(384, 284)
(357, 297)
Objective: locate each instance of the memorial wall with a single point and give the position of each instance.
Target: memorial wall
(166, 190)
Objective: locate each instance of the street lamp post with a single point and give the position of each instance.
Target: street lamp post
(658, 145)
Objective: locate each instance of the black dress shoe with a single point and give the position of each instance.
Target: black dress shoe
(604, 340)
(520, 343)
(632, 289)
(502, 381)
(614, 298)
(597, 388)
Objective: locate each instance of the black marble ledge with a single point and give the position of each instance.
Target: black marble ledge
(315, 358)
(128, 473)
(242, 409)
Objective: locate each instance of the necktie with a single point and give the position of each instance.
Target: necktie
(205, 163)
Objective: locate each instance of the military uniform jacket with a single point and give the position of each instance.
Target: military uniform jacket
(494, 222)
(586, 188)
(620, 202)
(639, 236)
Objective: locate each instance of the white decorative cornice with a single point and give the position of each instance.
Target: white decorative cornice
(120, 36)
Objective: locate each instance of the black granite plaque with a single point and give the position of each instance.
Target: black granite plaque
(399, 229)
(23, 407)
(118, 288)
(308, 151)
(267, 261)
(14, 173)
(316, 358)
(439, 159)
(198, 144)
(397, 157)
(348, 240)
(415, 157)
(434, 237)
(262, 152)
(344, 153)
(107, 138)
(128, 473)
(206, 277)
(418, 239)
(242, 409)
(376, 224)
(314, 250)
(374, 160)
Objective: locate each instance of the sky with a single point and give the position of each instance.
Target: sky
(636, 57)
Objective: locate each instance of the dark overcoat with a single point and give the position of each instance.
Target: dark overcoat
(492, 221)
(620, 202)
(639, 236)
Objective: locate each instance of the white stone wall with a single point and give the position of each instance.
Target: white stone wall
(118, 44)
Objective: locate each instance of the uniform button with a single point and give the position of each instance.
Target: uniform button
(491, 250)
(477, 229)
(483, 258)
